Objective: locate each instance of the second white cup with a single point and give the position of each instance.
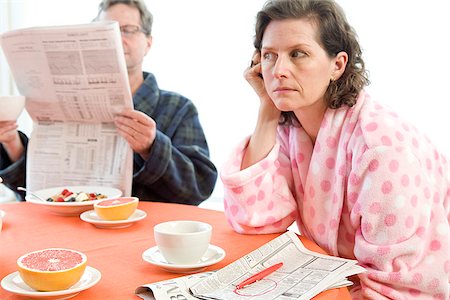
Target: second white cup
(183, 242)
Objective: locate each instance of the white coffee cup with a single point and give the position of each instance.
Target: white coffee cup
(11, 107)
(183, 242)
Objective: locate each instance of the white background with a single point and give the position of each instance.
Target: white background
(201, 48)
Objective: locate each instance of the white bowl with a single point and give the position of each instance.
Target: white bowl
(11, 107)
(72, 208)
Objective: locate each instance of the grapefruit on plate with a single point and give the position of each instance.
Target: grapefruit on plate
(116, 209)
(52, 269)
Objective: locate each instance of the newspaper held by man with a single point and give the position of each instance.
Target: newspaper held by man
(303, 275)
(75, 81)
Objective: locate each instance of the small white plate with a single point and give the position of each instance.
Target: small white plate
(14, 284)
(91, 217)
(71, 208)
(213, 255)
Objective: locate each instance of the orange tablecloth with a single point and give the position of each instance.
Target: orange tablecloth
(117, 253)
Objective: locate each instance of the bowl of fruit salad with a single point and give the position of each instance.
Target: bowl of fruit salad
(72, 200)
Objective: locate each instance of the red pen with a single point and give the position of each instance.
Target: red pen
(258, 276)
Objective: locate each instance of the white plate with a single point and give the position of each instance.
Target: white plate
(91, 217)
(213, 255)
(14, 284)
(72, 208)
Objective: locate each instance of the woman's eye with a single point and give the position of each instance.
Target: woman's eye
(268, 56)
(297, 53)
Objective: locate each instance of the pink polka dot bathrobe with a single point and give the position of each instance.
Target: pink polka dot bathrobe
(371, 188)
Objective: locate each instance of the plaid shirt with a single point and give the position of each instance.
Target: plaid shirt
(178, 169)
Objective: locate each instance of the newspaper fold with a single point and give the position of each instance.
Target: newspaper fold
(75, 81)
(304, 274)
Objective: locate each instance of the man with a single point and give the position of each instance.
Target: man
(171, 156)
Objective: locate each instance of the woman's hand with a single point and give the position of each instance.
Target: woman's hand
(254, 77)
(264, 136)
(10, 139)
(138, 129)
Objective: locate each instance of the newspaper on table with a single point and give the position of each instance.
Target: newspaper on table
(303, 275)
(75, 81)
(172, 289)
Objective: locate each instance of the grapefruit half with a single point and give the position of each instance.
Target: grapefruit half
(116, 209)
(52, 269)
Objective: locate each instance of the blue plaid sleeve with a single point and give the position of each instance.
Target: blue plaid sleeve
(13, 174)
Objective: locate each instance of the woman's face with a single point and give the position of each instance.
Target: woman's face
(295, 67)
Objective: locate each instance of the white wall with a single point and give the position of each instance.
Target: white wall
(201, 48)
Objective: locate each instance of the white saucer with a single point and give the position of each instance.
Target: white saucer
(14, 284)
(91, 217)
(213, 255)
(2, 214)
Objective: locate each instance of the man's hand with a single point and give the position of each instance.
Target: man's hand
(10, 139)
(138, 129)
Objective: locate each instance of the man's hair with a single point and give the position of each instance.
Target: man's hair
(334, 35)
(146, 16)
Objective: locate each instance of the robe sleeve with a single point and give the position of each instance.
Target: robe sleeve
(402, 231)
(258, 199)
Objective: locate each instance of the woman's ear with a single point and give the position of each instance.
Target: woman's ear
(340, 63)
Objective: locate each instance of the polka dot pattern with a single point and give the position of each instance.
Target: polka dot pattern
(331, 142)
(325, 185)
(370, 188)
(414, 293)
(393, 166)
(330, 163)
(385, 140)
(373, 165)
(386, 187)
(371, 126)
(435, 245)
(390, 220)
(395, 277)
(251, 200)
(399, 136)
(417, 279)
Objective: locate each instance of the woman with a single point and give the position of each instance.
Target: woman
(358, 180)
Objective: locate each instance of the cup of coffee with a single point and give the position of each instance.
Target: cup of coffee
(12, 107)
(183, 242)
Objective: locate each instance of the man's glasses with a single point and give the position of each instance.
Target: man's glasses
(131, 30)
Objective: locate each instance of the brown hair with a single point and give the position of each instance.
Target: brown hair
(146, 16)
(335, 35)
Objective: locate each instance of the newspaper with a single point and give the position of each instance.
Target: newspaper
(75, 81)
(172, 289)
(303, 275)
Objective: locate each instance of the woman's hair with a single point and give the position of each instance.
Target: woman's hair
(146, 16)
(335, 35)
